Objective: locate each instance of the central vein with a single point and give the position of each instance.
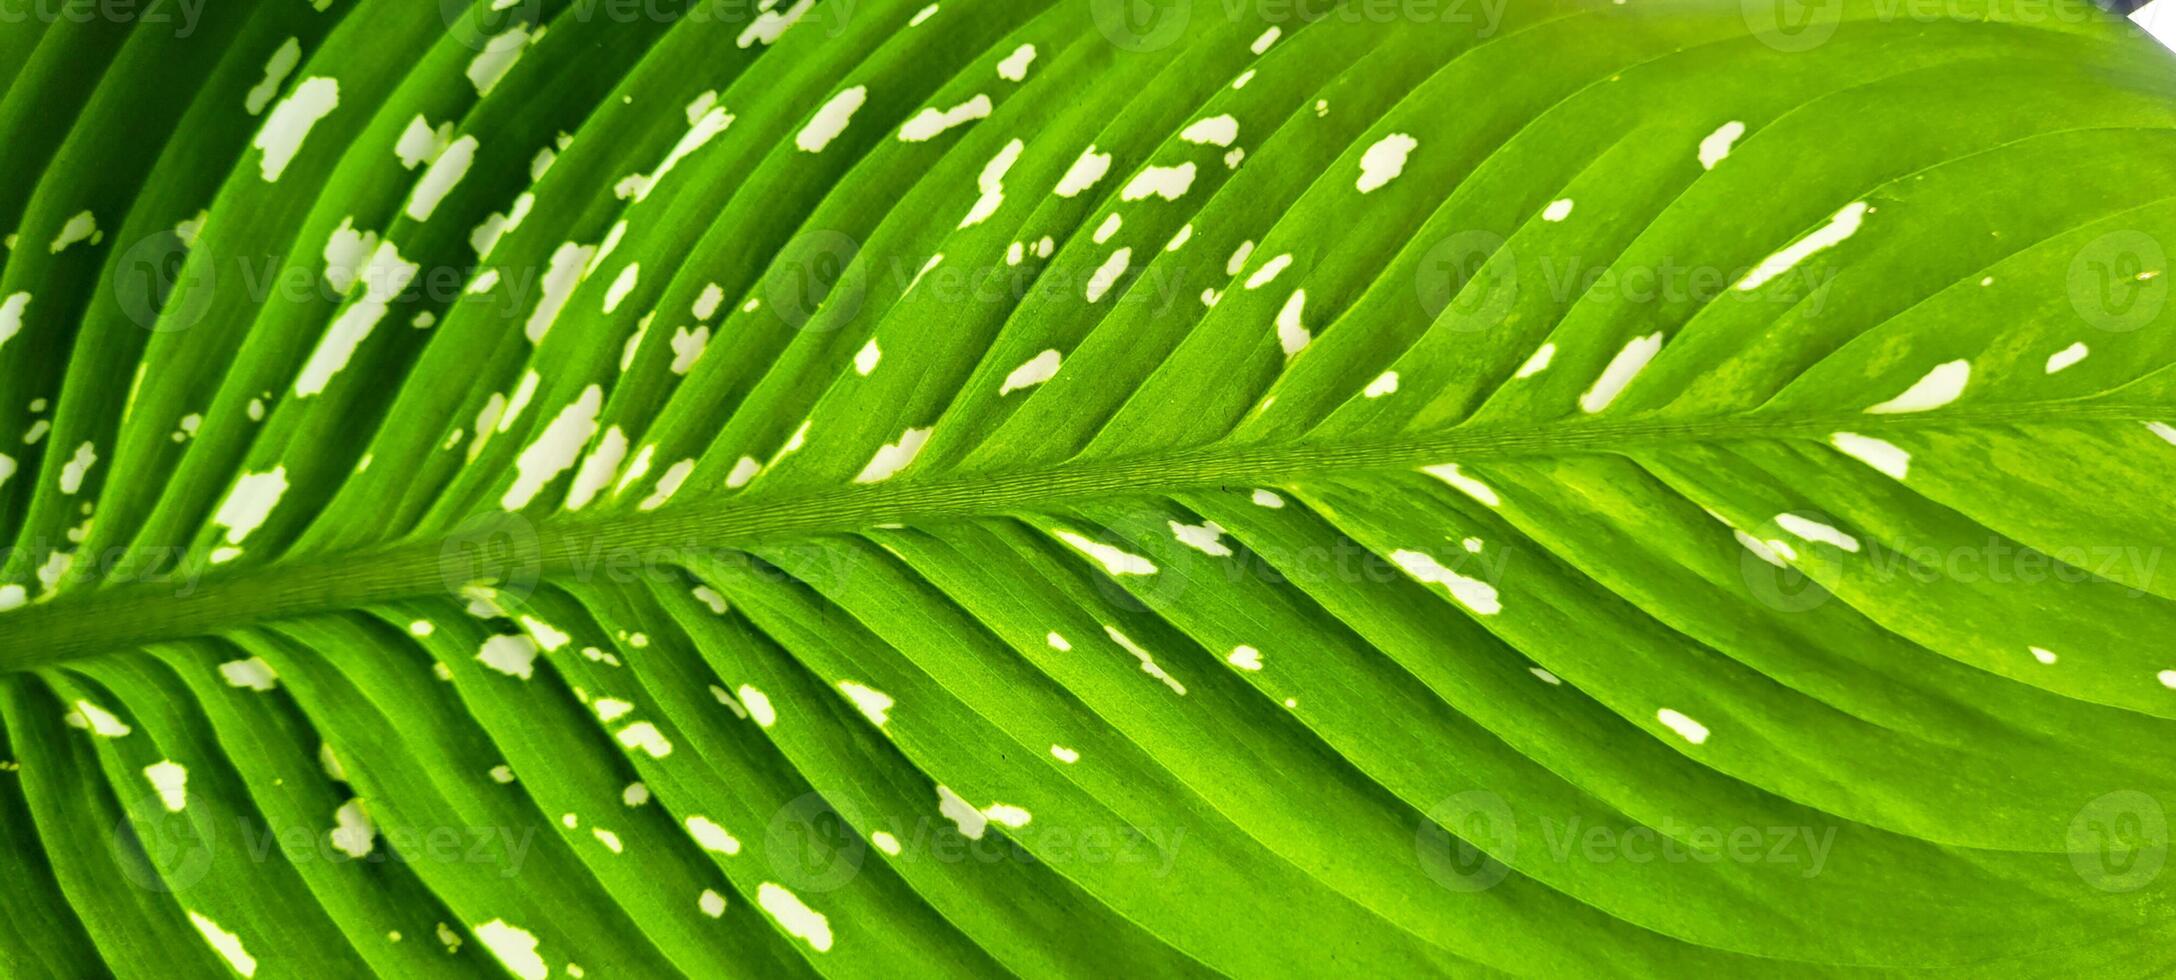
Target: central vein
(511, 547)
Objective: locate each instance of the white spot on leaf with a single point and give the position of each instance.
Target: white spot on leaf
(1716, 145)
(1292, 333)
(497, 58)
(276, 69)
(1207, 538)
(1938, 388)
(554, 451)
(1213, 131)
(874, 704)
(893, 457)
(1015, 66)
(250, 502)
(1627, 365)
(1842, 225)
(2066, 357)
(1036, 370)
(283, 131)
(645, 737)
(1537, 362)
(445, 172)
(1816, 531)
(1691, 730)
(252, 673)
(1149, 665)
(11, 316)
(515, 948)
(1450, 473)
(1106, 275)
(711, 837)
(170, 780)
(930, 123)
(1169, 183)
(77, 467)
(1084, 173)
(98, 721)
(1472, 593)
(758, 705)
(991, 182)
(514, 656)
(352, 833)
(226, 944)
(1113, 560)
(1879, 454)
(383, 278)
(795, 916)
(831, 120)
(1384, 161)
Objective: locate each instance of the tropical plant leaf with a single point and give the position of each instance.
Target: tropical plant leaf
(880, 488)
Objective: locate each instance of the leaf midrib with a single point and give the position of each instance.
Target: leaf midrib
(120, 616)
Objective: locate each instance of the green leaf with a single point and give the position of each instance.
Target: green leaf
(1074, 488)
